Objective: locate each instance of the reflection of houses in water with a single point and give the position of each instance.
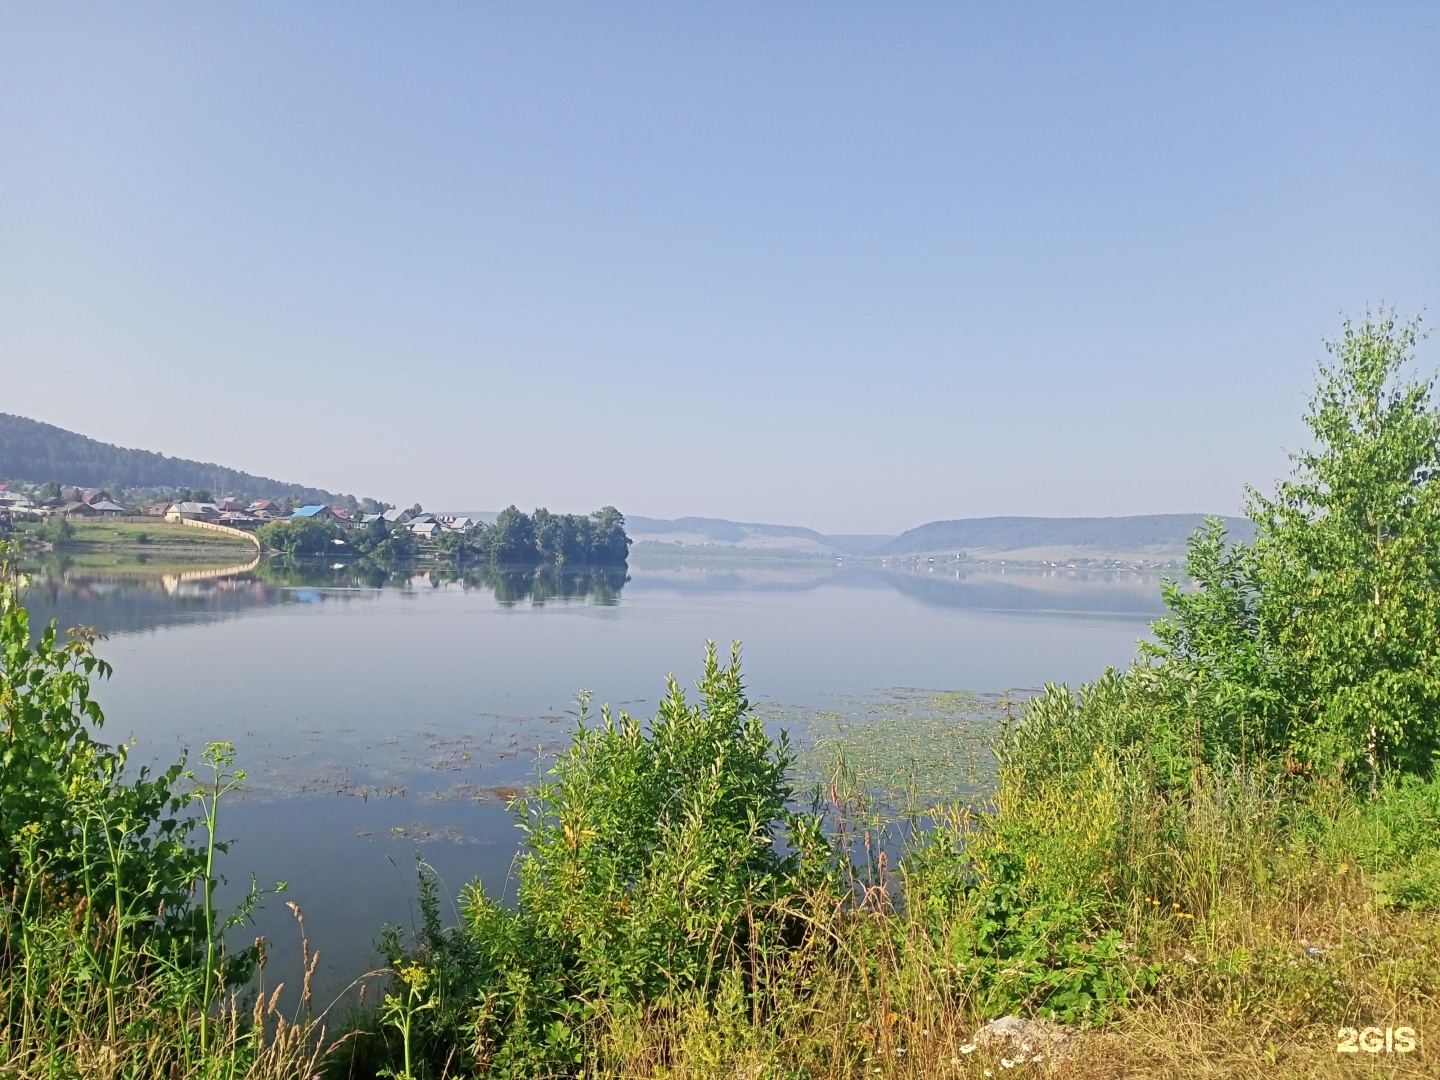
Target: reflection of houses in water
(127, 604)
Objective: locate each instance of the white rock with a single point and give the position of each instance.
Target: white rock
(1016, 1034)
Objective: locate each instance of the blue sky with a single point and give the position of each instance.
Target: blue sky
(849, 266)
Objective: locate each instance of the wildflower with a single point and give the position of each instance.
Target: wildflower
(1006, 1063)
(968, 1048)
(1343, 867)
(1037, 1059)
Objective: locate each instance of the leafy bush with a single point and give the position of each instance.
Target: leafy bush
(100, 929)
(56, 530)
(70, 818)
(384, 546)
(299, 536)
(652, 865)
(1319, 646)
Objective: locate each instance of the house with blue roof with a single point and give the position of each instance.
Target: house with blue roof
(320, 513)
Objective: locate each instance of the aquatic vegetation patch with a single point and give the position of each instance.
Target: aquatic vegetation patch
(908, 750)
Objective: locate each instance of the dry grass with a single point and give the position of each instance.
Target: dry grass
(254, 1043)
(1242, 994)
(1202, 1026)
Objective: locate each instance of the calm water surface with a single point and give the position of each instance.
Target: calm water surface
(375, 722)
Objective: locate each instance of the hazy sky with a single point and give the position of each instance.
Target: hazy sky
(854, 266)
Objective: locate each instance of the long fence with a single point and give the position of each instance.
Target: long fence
(211, 526)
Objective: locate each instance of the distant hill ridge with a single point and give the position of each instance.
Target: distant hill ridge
(752, 534)
(35, 451)
(1158, 531)
(718, 529)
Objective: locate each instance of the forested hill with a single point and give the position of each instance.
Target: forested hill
(30, 450)
(1146, 532)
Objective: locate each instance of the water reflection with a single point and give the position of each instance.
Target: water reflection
(137, 600)
(511, 585)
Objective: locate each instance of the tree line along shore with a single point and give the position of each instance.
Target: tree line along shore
(388, 538)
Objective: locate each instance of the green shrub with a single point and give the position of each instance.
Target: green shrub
(1319, 645)
(72, 822)
(100, 869)
(651, 866)
(299, 536)
(56, 530)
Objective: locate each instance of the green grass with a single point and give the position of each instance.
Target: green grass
(110, 532)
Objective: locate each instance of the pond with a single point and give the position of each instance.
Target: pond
(382, 717)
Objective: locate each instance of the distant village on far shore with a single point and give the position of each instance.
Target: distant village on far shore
(43, 502)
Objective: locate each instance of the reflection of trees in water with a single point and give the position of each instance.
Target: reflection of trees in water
(511, 585)
(298, 572)
(129, 603)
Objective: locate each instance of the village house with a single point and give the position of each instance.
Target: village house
(194, 511)
(429, 528)
(318, 512)
(238, 519)
(398, 516)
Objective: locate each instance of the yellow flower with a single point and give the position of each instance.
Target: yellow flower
(416, 976)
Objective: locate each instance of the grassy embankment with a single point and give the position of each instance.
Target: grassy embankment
(148, 546)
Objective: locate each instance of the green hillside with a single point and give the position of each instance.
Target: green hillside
(30, 450)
